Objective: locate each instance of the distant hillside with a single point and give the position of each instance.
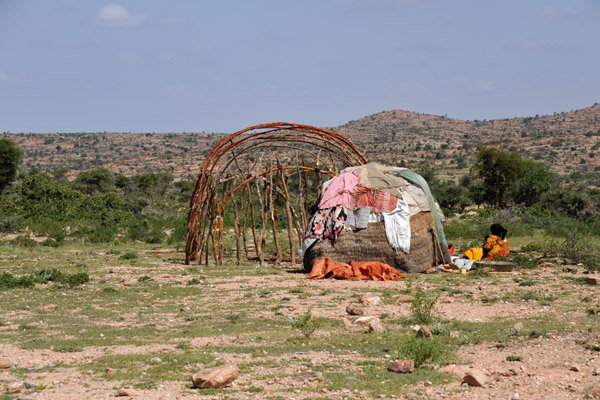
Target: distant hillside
(569, 142)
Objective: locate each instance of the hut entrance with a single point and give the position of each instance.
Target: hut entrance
(259, 184)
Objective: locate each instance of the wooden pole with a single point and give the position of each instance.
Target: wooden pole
(273, 210)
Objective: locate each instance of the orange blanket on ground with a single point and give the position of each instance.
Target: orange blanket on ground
(324, 268)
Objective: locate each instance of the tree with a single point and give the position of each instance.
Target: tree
(498, 170)
(10, 158)
(534, 180)
(95, 180)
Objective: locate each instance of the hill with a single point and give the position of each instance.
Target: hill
(568, 142)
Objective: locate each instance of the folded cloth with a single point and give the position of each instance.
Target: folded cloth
(462, 262)
(385, 202)
(339, 191)
(378, 200)
(324, 268)
(358, 218)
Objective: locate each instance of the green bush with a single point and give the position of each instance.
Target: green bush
(307, 324)
(525, 262)
(24, 241)
(129, 256)
(578, 249)
(104, 234)
(422, 350)
(76, 279)
(8, 281)
(46, 275)
(422, 306)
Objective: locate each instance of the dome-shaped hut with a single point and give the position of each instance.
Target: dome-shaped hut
(377, 213)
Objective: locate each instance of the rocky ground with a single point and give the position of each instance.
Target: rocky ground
(143, 326)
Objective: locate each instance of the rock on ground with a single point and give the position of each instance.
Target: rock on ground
(216, 377)
(354, 310)
(475, 377)
(402, 367)
(6, 363)
(127, 393)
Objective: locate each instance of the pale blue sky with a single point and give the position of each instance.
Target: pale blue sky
(222, 65)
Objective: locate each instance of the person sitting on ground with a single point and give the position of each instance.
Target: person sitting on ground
(495, 246)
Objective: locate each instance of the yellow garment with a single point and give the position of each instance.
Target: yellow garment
(475, 253)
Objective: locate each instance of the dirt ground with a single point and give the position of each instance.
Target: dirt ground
(244, 314)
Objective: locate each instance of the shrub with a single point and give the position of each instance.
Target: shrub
(76, 279)
(104, 234)
(24, 241)
(306, 323)
(8, 281)
(578, 249)
(129, 256)
(422, 350)
(422, 306)
(524, 261)
(145, 279)
(45, 275)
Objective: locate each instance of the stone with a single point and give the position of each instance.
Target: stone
(110, 372)
(596, 371)
(402, 367)
(216, 377)
(14, 387)
(127, 393)
(424, 331)
(547, 264)
(518, 327)
(129, 282)
(590, 280)
(307, 376)
(515, 396)
(405, 298)
(354, 310)
(363, 320)
(475, 377)
(370, 300)
(574, 367)
(6, 363)
(375, 326)
(156, 360)
(595, 392)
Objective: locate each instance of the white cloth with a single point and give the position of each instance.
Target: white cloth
(306, 244)
(462, 262)
(397, 226)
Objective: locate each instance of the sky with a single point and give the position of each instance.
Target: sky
(220, 66)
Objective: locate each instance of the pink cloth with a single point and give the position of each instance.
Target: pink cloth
(339, 191)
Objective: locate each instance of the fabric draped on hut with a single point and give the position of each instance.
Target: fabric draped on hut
(361, 198)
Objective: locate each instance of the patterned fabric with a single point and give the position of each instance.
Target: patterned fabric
(326, 223)
(380, 201)
(496, 247)
(358, 218)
